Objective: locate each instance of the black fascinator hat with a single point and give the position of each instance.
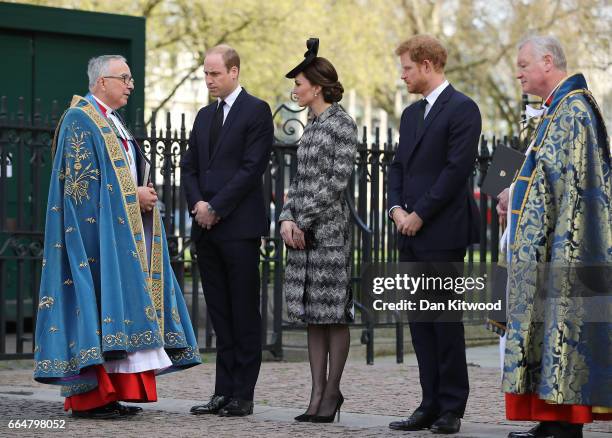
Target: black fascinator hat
(313, 48)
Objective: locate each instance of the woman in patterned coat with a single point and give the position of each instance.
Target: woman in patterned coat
(315, 228)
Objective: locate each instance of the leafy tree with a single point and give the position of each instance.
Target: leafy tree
(359, 37)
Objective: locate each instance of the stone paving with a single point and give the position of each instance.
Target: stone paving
(374, 395)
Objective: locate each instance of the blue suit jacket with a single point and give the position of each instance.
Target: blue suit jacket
(231, 179)
(429, 173)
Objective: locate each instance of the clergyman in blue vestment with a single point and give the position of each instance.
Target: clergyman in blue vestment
(557, 360)
(111, 314)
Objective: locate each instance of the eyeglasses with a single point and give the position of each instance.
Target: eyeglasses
(126, 79)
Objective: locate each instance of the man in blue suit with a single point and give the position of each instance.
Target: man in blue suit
(436, 217)
(221, 173)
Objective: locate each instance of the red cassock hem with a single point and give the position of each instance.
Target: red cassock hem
(528, 407)
(130, 387)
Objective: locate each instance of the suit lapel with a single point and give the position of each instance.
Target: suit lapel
(208, 119)
(231, 117)
(433, 113)
(435, 110)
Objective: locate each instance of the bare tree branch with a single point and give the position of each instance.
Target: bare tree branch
(180, 82)
(149, 6)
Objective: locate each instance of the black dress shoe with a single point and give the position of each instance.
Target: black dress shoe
(540, 431)
(303, 418)
(127, 410)
(212, 407)
(550, 429)
(417, 421)
(447, 424)
(237, 408)
(106, 412)
(329, 418)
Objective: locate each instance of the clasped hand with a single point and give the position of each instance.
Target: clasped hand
(203, 217)
(292, 235)
(502, 206)
(147, 197)
(407, 223)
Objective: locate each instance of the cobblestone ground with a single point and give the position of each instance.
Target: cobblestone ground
(385, 388)
(158, 423)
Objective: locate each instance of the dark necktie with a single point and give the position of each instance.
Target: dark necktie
(420, 115)
(216, 126)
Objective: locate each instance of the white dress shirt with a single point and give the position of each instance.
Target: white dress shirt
(433, 96)
(229, 101)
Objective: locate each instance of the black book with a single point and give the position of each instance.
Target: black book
(505, 164)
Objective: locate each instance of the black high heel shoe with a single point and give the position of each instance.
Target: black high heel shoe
(303, 417)
(329, 418)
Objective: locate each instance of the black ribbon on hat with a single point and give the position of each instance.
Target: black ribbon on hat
(313, 48)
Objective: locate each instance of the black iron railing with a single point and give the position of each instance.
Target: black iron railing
(25, 146)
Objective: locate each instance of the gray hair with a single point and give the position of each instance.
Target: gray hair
(98, 67)
(547, 45)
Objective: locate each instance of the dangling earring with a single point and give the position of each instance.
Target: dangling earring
(316, 94)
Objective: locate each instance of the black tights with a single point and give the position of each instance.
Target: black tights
(324, 340)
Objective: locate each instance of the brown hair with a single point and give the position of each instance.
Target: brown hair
(229, 55)
(321, 72)
(422, 47)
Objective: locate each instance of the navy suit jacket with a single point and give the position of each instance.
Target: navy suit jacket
(429, 173)
(231, 179)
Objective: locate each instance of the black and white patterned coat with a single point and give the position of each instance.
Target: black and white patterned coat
(317, 288)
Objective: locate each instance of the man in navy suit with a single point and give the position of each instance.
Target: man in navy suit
(436, 217)
(221, 174)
